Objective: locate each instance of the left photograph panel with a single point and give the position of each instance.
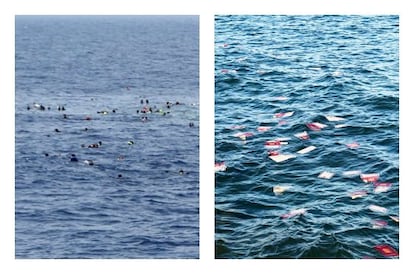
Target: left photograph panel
(107, 137)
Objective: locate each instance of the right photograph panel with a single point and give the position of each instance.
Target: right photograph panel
(306, 136)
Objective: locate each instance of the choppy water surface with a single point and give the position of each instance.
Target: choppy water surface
(96, 73)
(313, 66)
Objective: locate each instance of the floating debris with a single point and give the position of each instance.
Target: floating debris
(280, 189)
(331, 118)
(243, 135)
(89, 162)
(220, 167)
(316, 126)
(358, 194)
(369, 178)
(273, 153)
(306, 150)
(263, 129)
(351, 173)
(386, 250)
(381, 187)
(376, 208)
(284, 114)
(282, 157)
(395, 219)
(378, 224)
(326, 175)
(293, 213)
(302, 135)
(353, 145)
(273, 144)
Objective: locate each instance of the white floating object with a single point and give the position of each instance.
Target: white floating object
(280, 189)
(369, 178)
(381, 187)
(302, 135)
(282, 139)
(351, 173)
(378, 224)
(263, 129)
(293, 213)
(281, 157)
(331, 118)
(243, 135)
(220, 167)
(376, 208)
(395, 218)
(281, 98)
(306, 150)
(284, 114)
(358, 194)
(353, 145)
(326, 175)
(273, 144)
(341, 125)
(316, 126)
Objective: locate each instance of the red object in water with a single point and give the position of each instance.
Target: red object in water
(353, 145)
(263, 129)
(369, 178)
(273, 153)
(273, 143)
(315, 126)
(386, 250)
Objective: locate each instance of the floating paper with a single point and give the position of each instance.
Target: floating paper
(302, 135)
(281, 157)
(378, 224)
(353, 145)
(263, 129)
(282, 122)
(306, 150)
(273, 144)
(282, 139)
(284, 114)
(395, 218)
(369, 178)
(358, 194)
(315, 126)
(220, 167)
(295, 212)
(243, 135)
(273, 153)
(281, 98)
(326, 175)
(376, 208)
(331, 118)
(351, 173)
(341, 126)
(386, 250)
(381, 187)
(280, 189)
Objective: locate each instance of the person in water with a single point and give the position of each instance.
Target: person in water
(95, 145)
(73, 158)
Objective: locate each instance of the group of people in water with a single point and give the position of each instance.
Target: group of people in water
(144, 110)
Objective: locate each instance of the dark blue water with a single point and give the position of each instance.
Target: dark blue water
(346, 66)
(140, 199)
